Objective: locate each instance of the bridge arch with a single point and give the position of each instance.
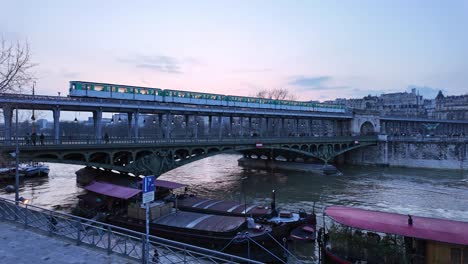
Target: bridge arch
(367, 128)
(74, 157)
(101, 157)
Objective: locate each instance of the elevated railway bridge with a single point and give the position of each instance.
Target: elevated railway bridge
(150, 156)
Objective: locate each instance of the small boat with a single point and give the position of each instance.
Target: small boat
(303, 233)
(260, 213)
(231, 234)
(34, 170)
(25, 170)
(367, 236)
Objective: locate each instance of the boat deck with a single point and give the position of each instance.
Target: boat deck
(222, 206)
(205, 222)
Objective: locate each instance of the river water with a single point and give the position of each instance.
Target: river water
(423, 192)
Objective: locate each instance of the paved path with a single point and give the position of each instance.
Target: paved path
(23, 246)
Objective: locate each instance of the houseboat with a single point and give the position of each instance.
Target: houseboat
(231, 234)
(366, 236)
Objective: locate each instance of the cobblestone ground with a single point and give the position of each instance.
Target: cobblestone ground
(18, 245)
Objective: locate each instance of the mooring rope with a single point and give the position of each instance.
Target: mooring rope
(284, 248)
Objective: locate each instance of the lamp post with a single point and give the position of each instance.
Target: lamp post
(16, 160)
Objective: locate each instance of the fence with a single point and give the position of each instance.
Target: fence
(113, 239)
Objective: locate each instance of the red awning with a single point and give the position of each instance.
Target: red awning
(441, 230)
(112, 190)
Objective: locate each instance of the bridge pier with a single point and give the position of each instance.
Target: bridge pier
(56, 114)
(220, 127)
(160, 125)
(136, 127)
(168, 126)
(97, 118)
(210, 125)
(7, 116)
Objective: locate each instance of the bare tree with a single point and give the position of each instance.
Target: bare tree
(15, 66)
(276, 94)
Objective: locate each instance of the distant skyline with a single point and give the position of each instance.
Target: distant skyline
(319, 50)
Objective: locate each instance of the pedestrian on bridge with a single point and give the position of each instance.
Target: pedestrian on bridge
(26, 139)
(34, 138)
(106, 138)
(41, 138)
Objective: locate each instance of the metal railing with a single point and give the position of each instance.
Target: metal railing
(110, 238)
(202, 140)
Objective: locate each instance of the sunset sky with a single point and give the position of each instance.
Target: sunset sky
(319, 50)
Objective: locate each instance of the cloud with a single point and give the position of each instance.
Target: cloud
(165, 64)
(309, 81)
(252, 70)
(69, 74)
(426, 91)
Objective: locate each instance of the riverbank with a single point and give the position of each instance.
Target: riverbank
(20, 245)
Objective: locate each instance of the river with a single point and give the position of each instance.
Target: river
(434, 193)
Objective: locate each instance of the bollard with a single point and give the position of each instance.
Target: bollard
(109, 246)
(78, 235)
(143, 252)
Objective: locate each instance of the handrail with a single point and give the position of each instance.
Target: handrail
(109, 237)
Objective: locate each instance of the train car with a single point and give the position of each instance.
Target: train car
(126, 92)
(114, 91)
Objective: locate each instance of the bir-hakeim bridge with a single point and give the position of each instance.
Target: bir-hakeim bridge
(260, 133)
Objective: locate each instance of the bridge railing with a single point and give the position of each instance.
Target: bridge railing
(111, 238)
(48, 141)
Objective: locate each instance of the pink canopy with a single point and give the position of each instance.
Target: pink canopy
(112, 190)
(441, 230)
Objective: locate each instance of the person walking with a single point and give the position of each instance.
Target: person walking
(106, 138)
(34, 138)
(41, 138)
(26, 139)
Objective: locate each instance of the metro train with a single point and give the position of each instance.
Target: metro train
(117, 91)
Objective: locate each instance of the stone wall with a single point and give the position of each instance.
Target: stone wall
(413, 153)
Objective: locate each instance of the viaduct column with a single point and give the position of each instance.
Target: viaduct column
(7, 116)
(231, 123)
(220, 127)
(168, 126)
(241, 119)
(267, 124)
(56, 114)
(297, 127)
(129, 125)
(186, 120)
(136, 127)
(250, 126)
(97, 118)
(160, 125)
(210, 125)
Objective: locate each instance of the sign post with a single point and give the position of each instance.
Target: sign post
(148, 196)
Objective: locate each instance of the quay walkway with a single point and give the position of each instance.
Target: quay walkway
(30, 234)
(21, 245)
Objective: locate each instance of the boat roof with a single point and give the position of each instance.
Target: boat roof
(221, 206)
(112, 190)
(442, 230)
(205, 222)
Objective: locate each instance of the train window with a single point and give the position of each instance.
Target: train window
(143, 91)
(121, 89)
(130, 90)
(98, 88)
(73, 87)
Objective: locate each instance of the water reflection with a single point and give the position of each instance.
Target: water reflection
(435, 193)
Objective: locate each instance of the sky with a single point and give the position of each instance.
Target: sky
(318, 50)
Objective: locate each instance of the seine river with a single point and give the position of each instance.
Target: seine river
(435, 193)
